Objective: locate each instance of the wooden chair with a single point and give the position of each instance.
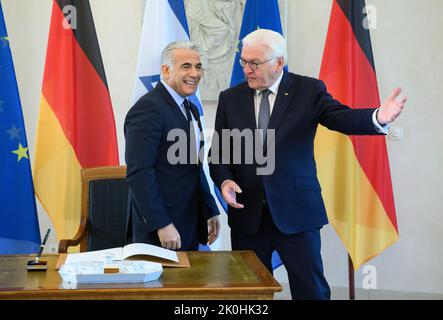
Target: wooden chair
(103, 216)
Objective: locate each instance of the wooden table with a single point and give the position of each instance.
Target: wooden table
(213, 275)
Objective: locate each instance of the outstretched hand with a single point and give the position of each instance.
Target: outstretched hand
(391, 108)
(229, 192)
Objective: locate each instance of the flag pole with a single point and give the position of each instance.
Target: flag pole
(351, 279)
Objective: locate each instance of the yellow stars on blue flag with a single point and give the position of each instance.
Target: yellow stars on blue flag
(14, 133)
(21, 152)
(19, 228)
(237, 50)
(4, 41)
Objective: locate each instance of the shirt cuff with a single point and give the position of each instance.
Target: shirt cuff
(383, 129)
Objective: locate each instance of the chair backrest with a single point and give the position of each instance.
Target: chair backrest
(104, 203)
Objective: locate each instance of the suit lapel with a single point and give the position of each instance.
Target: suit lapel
(247, 106)
(173, 105)
(286, 92)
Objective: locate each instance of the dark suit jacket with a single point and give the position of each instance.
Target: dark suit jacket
(159, 192)
(292, 191)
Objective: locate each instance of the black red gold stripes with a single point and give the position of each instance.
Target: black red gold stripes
(355, 13)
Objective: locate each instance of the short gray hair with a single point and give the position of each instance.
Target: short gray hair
(271, 39)
(167, 57)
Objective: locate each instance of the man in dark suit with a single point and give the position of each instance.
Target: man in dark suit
(170, 203)
(282, 210)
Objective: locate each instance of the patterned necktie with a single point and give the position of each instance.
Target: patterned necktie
(192, 137)
(187, 106)
(264, 113)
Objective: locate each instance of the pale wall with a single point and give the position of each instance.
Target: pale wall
(407, 48)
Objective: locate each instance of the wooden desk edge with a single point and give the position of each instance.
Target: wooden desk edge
(260, 270)
(265, 292)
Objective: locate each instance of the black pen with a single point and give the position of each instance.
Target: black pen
(42, 246)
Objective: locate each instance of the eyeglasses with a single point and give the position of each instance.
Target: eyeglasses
(253, 65)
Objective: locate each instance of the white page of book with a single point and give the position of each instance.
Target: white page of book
(144, 248)
(99, 255)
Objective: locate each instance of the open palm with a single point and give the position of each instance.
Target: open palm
(391, 108)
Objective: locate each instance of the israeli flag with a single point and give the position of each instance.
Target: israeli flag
(164, 22)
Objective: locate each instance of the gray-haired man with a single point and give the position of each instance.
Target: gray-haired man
(170, 204)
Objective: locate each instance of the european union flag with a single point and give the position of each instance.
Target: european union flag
(19, 229)
(258, 14)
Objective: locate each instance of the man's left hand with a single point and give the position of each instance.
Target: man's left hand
(391, 108)
(213, 229)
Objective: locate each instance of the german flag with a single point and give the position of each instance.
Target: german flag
(76, 127)
(354, 171)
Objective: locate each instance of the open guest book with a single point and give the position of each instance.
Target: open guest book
(133, 251)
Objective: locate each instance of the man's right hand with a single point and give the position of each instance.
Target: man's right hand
(169, 237)
(228, 190)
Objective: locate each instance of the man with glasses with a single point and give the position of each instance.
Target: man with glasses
(284, 210)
